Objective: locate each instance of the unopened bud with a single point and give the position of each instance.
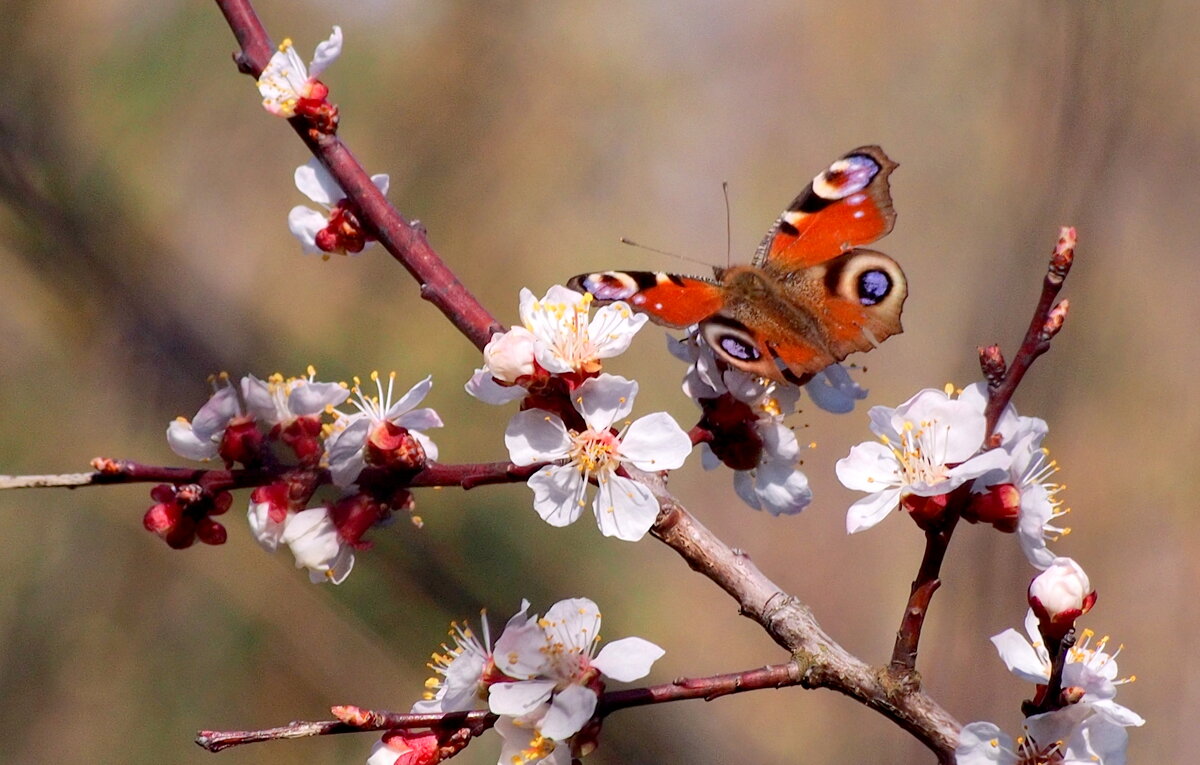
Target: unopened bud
(926, 512)
(1000, 506)
(1060, 595)
(1064, 253)
(1055, 319)
(991, 361)
(509, 355)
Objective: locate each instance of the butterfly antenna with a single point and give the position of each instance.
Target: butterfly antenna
(631, 243)
(728, 225)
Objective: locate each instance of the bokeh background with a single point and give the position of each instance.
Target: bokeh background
(143, 245)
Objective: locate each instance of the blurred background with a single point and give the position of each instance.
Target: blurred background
(143, 245)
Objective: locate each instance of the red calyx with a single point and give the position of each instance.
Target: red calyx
(182, 514)
(735, 439)
(392, 446)
(242, 442)
(353, 516)
(302, 436)
(1000, 506)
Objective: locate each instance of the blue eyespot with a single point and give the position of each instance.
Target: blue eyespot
(873, 286)
(739, 350)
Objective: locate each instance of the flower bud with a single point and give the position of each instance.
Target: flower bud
(1000, 506)
(509, 356)
(402, 747)
(1060, 595)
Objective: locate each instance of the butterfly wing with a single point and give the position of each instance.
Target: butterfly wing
(668, 299)
(845, 206)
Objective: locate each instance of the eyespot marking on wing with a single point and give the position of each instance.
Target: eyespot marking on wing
(845, 177)
(873, 286)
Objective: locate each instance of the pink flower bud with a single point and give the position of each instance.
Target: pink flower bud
(510, 356)
(1060, 595)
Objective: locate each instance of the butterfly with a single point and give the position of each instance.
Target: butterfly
(810, 297)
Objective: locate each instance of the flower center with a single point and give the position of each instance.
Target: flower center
(595, 452)
(920, 453)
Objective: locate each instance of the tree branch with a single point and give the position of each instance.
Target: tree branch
(110, 471)
(404, 240)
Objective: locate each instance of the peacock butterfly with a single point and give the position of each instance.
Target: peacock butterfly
(811, 295)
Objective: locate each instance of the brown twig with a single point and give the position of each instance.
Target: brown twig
(928, 580)
(407, 243)
(109, 472)
(1002, 383)
(356, 719)
(1046, 322)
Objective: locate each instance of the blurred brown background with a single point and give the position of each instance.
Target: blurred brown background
(143, 244)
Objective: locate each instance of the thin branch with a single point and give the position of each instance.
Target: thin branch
(1002, 383)
(352, 719)
(1046, 322)
(927, 582)
(404, 240)
(109, 472)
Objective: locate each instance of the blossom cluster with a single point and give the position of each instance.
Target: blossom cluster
(573, 417)
(1074, 715)
(743, 418)
(931, 452)
(543, 676)
(291, 427)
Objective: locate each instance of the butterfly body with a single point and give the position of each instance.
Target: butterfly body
(810, 297)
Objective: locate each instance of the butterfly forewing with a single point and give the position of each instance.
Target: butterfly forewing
(847, 205)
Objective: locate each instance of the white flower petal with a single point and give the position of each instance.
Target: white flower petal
(519, 698)
(870, 466)
(305, 223)
(427, 444)
(613, 327)
(558, 494)
(382, 181)
(624, 508)
(779, 487)
(415, 395)
(627, 659)
(1020, 657)
(266, 532)
(183, 441)
(344, 450)
(605, 400)
(214, 416)
(833, 390)
(485, 388)
(655, 442)
(569, 710)
(315, 182)
(313, 397)
(983, 743)
(871, 509)
(419, 419)
(534, 435)
(326, 53)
